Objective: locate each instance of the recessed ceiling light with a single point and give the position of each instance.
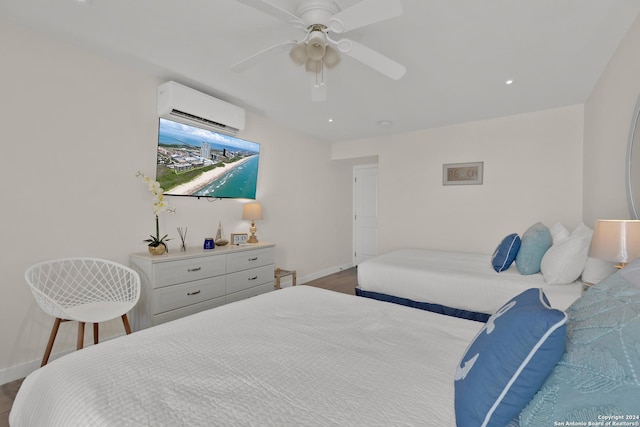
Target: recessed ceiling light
(385, 123)
(330, 120)
(509, 82)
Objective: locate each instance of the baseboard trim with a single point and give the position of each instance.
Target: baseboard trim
(323, 273)
(20, 371)
(17, 372)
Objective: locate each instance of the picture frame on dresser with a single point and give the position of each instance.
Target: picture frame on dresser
(239, 238)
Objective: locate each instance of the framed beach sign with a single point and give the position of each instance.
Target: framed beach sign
(462, 173)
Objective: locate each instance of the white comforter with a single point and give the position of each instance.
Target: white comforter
(455, 279)
(295, 357)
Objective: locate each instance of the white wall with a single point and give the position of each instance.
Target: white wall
(532, 172)
(75, 130)
(608, 115)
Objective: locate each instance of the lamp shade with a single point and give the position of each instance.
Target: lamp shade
(252, 211)
(616, 240)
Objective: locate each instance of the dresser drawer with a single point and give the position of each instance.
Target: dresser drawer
(176, 296)
(185, 270)
(250, 259)
(185, 311)
(248, 293)
(249, 278)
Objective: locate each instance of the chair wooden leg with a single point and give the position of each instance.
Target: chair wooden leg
(52, 338)
(80, 335)
(95, 333)
(125, 321)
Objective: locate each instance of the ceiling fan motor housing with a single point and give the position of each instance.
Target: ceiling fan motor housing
(317, 12)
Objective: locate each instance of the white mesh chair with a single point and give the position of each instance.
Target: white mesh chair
(87, 290)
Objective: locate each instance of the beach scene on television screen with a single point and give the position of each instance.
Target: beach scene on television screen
(199, 162)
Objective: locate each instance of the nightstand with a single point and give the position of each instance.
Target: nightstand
(280, 273)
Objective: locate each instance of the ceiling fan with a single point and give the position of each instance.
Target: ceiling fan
(320, 19)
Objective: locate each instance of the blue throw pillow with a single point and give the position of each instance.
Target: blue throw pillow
(596, 380)
(506, 252)
(535, 243)
(508, 360)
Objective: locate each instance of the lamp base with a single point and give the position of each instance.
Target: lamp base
(252, 230)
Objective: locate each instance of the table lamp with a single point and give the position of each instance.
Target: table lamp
(252, 211)
(616, 241)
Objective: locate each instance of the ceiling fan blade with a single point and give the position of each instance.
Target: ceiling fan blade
(366, 12)
(276, 8)
(263, 54)
(372, 58)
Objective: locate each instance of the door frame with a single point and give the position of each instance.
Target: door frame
(353, 211)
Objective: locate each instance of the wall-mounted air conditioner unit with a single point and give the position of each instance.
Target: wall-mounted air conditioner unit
(185, 105)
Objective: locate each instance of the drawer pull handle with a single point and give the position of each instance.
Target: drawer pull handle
(253, 278)
(253, 259)
(194, 269)
(194, 293)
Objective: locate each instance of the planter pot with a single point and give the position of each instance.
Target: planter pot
(157, 250)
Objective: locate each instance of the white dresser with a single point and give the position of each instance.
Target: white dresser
(181, 283)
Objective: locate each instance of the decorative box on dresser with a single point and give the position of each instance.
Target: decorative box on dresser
(181, 283)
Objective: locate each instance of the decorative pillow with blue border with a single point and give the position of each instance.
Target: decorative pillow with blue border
(508, 361)
(535, 243)
(506, 252)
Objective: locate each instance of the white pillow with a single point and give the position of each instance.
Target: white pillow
(558, 232)
(563, 262)
(582, 230)
(595, 270)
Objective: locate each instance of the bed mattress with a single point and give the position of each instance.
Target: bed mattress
(463, 281)
(300, 356)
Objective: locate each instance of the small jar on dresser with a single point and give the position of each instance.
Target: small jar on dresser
(181, 283)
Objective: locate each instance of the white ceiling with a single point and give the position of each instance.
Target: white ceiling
(458, 55)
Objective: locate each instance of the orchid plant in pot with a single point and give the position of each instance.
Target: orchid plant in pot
(157, 245)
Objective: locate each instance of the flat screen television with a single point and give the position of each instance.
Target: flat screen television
(197, 162)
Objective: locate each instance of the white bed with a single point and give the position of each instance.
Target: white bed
(295, 357)
(464, 282)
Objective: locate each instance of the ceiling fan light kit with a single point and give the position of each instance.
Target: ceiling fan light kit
(298, 53)
(331, 57)
(316, 45)
(313, 66)
(316, 50)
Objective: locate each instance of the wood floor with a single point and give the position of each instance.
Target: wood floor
(343, 281)
(7, 394)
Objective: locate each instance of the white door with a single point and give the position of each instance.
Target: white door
(365, 212)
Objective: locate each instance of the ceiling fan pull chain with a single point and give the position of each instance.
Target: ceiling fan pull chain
(319, 73)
